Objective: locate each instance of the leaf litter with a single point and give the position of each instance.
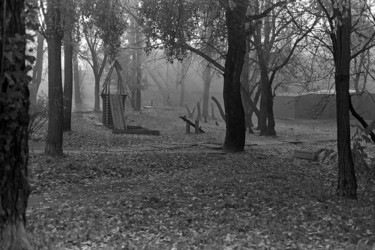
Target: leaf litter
(190, 197)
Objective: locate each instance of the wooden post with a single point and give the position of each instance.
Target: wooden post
(187, 128)
(197, 126)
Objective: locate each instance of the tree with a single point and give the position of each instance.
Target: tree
(178, 24)
(77, 80)
(68, 10)
(276, 41)
(103, 23)
(54, 35)
(96, 56)
(136, 59)
(178, 32)
(340, 29)
(235, 115)
(349, 37)
(14, 121)
(347, 184)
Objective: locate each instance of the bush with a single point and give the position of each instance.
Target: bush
(364, 165)
(38, 117)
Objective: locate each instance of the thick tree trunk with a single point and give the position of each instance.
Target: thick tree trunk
(235, 117)
(77, 89)
(68, 81)
(54, 138)
(37, 69)
(14, 119)
(347, 183)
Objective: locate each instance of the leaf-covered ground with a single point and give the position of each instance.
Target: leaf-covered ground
(178, 191)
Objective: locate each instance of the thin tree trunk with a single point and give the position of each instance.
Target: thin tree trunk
(245, 89)
(54, 138)
(221, 111)
(235, 116)
(270, 131)
(347, 183)
(207, 76)
(37, 69)
(96, 93)
(182, 93)
(360, 119)
(14, 121)
(77, 89)
(262, 121)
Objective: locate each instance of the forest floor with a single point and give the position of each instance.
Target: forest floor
(180, 191)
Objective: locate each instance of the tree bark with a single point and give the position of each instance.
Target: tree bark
(14, 121)
(37, 69)
(347, 183)
(54, 138)
(235, 116)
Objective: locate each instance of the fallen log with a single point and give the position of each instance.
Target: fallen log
(136, 131)
(190, 123)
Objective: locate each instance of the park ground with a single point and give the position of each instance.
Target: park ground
(180, 191)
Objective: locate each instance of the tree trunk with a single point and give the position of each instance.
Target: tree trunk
(347, 183)
(245, 89)
(68, 74)
(360, 119)
(262, 121)
(77, 89)
(37, 69)
(137, 66)
(96, 92)
(182, 93)
(270, 131)
(54, 138)
(14, 121)
(235, 116)
(207, 76)
(221, 111)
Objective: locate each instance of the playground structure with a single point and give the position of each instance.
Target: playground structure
(114, 103)
(114, 98)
